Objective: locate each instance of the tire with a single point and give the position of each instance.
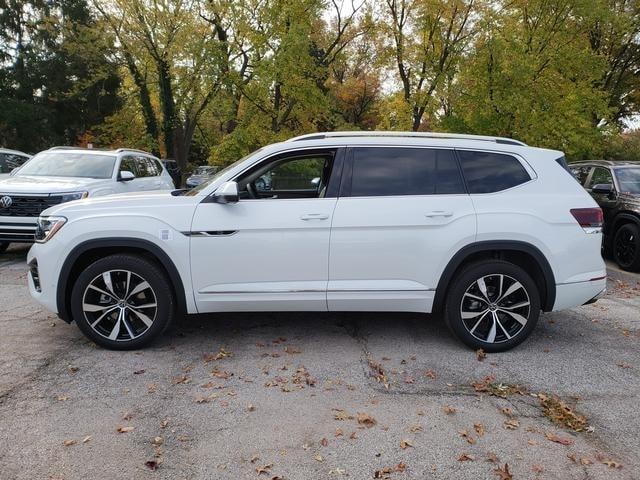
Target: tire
(4, 246)
(122, 321)
(515, 320)
(626, 247)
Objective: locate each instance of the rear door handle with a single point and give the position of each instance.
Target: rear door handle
(439, 213)
(314, 216)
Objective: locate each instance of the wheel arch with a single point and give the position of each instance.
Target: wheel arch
(91, 250)
(520, 253)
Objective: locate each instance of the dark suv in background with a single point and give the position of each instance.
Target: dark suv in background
(616, 188)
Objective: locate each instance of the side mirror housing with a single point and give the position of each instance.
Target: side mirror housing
(126, 176)
(226, 193)
(603, 188)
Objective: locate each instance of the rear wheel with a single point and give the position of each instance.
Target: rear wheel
(4, 246)
(493, 305)
(122, 302)
(626, 247)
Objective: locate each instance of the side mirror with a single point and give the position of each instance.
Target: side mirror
(126, 176)
(603, 188)
(226, 193)
(315, 181)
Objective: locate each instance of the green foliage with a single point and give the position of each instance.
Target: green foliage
(212, 80)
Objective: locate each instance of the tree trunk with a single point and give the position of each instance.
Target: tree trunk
(151, 124)
(169, 119)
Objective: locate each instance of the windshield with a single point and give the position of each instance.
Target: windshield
(629, 180)
(213, 178)
(66, 164)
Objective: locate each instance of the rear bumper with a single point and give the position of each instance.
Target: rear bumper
(571, 295)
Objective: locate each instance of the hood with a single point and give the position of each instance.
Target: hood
(34, 184)
(118, 202)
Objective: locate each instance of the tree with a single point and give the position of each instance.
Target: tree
(428, 40)
(57, 80)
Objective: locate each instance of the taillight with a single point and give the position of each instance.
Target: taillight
(590, 219)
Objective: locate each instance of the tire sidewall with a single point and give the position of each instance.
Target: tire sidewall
(460, 285)
(635, 265)
(145, 269)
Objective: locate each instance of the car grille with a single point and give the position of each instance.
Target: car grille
(17, 232)
(28, 206)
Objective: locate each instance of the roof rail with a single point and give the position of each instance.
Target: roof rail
(119, 150)
(459, 136)
(62, 147)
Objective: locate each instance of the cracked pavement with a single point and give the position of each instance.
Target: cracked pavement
(285, 393)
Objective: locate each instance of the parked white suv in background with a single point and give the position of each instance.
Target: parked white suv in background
(10, 160)
(62, 174)
(487, 230)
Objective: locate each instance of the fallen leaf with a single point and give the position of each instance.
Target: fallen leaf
(124, 429)
(63, 398)
(324, 442)
(366, 420)
(537, 469)
(449, 410)
(507, 411)
(465, 458)
(251, 408)
(353, 435)
(86, 439)
(430, 374)
(151, 465)
(480, 355)
(611, 464)
(264, 469)
(164, 423)
(561, 440)
(127, 416)
(467, 436)
(210, 357)
(157, 441)
(182, 379)
(492, 457)
(254, 459)
(72, 368)
(291, 350)
(479, 428)
(504, 472)
(68, 443)
(341, 415)
(415, 429)
(318, 457)
(338, 432)
(200, 399)
(139, 372)
(511, 424)
(404, 444)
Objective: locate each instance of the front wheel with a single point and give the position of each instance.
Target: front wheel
(122, 302)
(626, 247)
(493, 305)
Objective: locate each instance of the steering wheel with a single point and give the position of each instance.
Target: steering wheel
(252, 190)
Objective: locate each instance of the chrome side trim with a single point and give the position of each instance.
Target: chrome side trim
(211, 233)
(314, 291)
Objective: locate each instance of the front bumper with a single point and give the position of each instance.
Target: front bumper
(17, 229)
(42, 277)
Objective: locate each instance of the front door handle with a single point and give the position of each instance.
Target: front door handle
(314, 216)
(439, 213)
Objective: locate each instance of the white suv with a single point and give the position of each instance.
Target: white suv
(62, 174)
(487, 230)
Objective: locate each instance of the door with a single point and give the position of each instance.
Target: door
(269, 251)
(400, 216)
(128, 163)
(603, 176)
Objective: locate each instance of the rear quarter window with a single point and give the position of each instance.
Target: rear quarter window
(488, 172)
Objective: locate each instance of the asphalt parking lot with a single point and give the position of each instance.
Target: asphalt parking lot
(314, 396)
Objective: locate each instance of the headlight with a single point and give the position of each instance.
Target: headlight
(67, 197)
(47, 227)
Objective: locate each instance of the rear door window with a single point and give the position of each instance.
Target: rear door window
(600, 176)
(581, 173)
(488, 172)
(387, 171)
